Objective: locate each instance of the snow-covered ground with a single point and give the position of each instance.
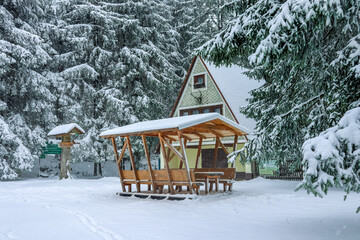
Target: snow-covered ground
(89, 209)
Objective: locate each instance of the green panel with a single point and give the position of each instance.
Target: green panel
(51, 149)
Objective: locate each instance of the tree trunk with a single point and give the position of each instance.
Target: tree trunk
(95, 169)
(254, 169)
(100, 170)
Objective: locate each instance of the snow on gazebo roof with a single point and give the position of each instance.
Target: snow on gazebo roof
(66, 129)
(173, 124)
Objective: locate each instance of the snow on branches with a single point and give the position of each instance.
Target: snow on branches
(332, 159)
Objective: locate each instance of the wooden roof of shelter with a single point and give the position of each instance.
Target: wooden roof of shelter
(65, 130)
(209, 125)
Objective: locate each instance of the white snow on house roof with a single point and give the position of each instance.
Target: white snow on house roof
(235, 86)
(175, 122)
(64, 129)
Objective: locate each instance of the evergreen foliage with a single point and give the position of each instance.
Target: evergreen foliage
(307, 52)
(25, 96)
(100, 64)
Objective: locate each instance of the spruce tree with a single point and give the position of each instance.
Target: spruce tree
(25, 98)
(305, 52)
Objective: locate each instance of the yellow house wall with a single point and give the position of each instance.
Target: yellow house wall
(191, 157)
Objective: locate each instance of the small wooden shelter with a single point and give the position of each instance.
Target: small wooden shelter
(65, 132)
(170, 130)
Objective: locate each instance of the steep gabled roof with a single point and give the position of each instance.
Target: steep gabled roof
(235, 86)
(232, 84)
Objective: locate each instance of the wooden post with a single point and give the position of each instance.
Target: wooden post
(187, 170)
(166, 164)
(181, 163)
(168, 151)
(216, 152)
(118, 161)
(65, 158)
(223, 147)
(147, 155)
(133, 163)
(198, 153)
(234, 149)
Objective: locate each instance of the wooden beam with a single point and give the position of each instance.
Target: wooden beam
(234, 148)
(172, 148)
(186, 138)
(198, 153)
(170, 138)
(168, 151)
(223, 147)
(133, 163)
(181, 163)
(217, 127)
(216, 152)
(147, 155)
(118, 161)
(187, 170)
(208, 130)
(199, 135)
(166, 164)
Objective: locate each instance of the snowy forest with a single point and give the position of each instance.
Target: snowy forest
(98, 64)
(110, 63)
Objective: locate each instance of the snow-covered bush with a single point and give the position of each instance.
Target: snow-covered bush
(332, 159)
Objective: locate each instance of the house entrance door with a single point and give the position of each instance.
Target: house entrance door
(207, 158)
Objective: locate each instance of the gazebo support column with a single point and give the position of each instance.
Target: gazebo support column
(187, 170)
(198, 153)
(234, 149)
(166, 164)
(185, 144)
(147, 155)
(133, 163)
(118, 161)
(216, 152)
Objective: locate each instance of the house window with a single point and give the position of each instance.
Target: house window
(208, 109)
(217, 109)
(199, 81)
(195, 111)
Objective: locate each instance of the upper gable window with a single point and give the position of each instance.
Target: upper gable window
(199, 81)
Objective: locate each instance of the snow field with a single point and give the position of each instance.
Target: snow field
(89, 209)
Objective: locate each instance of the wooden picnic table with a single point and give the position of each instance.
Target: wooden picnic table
(210, 175)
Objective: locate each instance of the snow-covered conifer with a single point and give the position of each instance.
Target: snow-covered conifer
(307, 52)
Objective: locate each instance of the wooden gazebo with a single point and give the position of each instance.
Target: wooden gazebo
(171, 130)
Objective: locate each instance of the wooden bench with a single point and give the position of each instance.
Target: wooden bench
(143, 177)
(178, 178)
(227, 179)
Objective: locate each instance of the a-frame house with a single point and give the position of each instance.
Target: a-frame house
(206, 89)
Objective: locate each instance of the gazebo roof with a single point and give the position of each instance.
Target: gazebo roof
(66, 129)
(207, 125)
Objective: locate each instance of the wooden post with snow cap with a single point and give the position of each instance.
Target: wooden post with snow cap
(65, 132)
